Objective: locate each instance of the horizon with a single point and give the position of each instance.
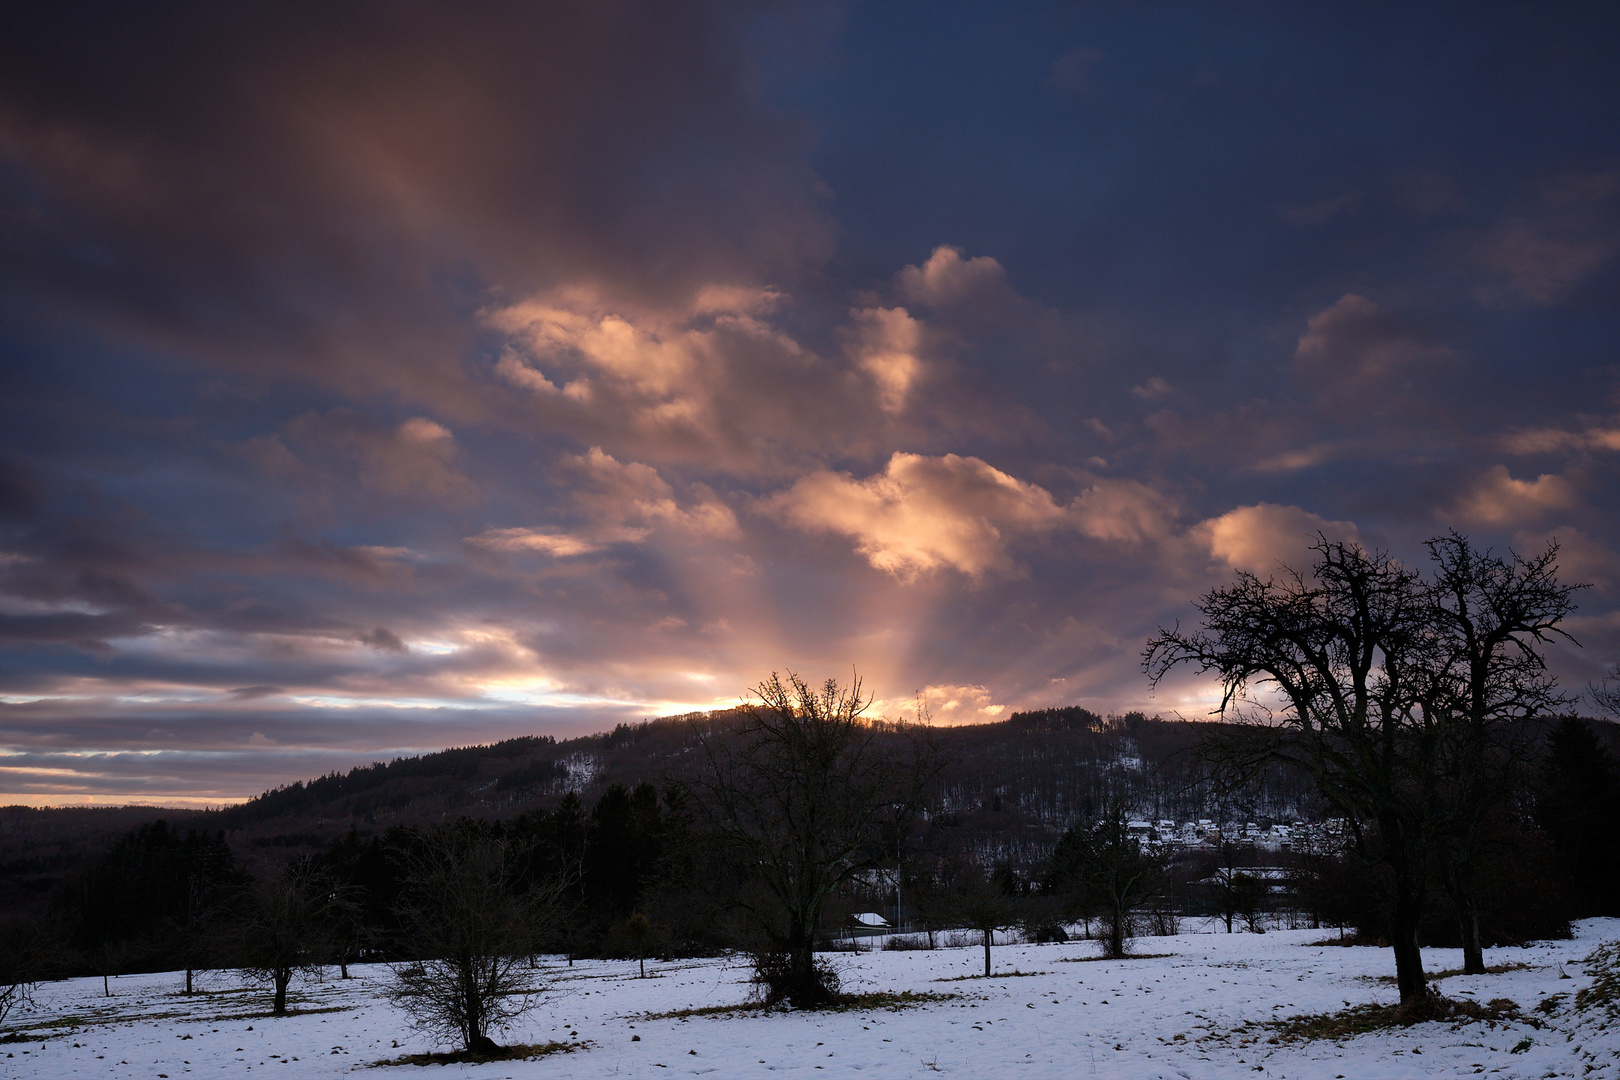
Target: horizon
(381, 378)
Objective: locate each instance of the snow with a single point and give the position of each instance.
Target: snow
(1044, 1014)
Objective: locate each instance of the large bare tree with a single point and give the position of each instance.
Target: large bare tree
(1491, 618)
(804, 796)
(1401, 696)
(1339, 662)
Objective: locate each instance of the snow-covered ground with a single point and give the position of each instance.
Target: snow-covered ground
(1050, 1011)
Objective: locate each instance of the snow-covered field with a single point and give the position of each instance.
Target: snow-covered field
(1050, 1011)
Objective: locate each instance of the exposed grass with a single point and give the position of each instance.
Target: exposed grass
(1436, 977)
(997, 975)
(1362, 1019)
(905, 999)
(1603, 965)
(519, 1052)
(1128, 956)
(706, 1010)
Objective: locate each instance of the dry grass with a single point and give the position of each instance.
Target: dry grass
(1128, 956)
(1365, 1018)
(1448, 973)
(905, 999)
(997, 975)
(519, 1052)
(1603, 965)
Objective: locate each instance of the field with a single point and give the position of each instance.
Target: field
(1201, 1005)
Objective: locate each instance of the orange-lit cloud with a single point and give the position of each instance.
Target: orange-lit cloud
(1265, 538)
(923, 513)
(1497, 499)
(884, 343)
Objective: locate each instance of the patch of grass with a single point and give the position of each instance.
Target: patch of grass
(272, 1016)
(997, 975)
(706, 1010)
(905, 999)
(1131, 956)
(1435, 976)
(1604, 992)
(1361, 1019)
(518, 1052)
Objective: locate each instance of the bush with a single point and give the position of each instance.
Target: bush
(779, 980)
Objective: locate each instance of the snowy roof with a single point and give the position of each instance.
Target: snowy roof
(870, 918)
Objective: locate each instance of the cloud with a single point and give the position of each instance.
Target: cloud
(618, 494)
(1266, 537)
(1356, 344)
(923, 513)
(1542, 440)
(1124, 512)
(1497, 499)
(325, 193)
(416, 460)
(622, 503)
(945, 705)
(1540, 258)
(380, 637)
(1154, 388)
(559, 545)
(709, 379)
(949, 280)
(883, 343)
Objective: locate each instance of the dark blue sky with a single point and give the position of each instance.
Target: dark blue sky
(405, 375)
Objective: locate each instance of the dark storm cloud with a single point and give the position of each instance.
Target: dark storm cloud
(390, 376)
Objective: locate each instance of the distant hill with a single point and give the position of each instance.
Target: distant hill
(1011, 788)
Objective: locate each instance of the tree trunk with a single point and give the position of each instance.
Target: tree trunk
(643, 961)
(1468, 923)
(106, 990)
(282, 977)
(1462, 899)
(1116, 932)
(1405, 915)
(188, 980)
(987, 936)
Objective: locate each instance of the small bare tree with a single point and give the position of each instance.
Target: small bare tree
(285, 930)
(807, 796)
(470, 925)
(1104, 872)
(25, 956)
(982, 905)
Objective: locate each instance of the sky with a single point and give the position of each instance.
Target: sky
(382, 377)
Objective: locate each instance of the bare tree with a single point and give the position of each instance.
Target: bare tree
(26, 954)
(1491, 617)
(470, 924)
(284, 932)
(981, 904)
(1346, 654)
(1103, 871)
(1403, 698)
(805, 797)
